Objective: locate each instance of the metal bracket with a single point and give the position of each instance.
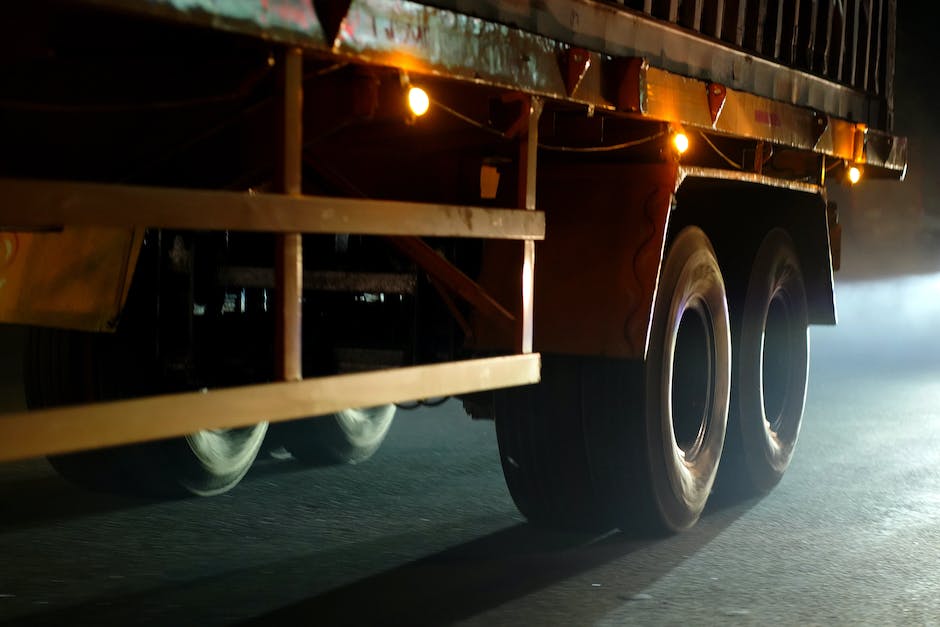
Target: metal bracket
(716, 100)
(574, 64)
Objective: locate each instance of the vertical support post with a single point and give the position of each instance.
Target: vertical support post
(288, 264)
(795, 40)
(528, 158)
(878, 88)
(759, 158)
(871, 19)
(828, 50)
(852, 77)
(761, 22)
(778, 34)
(889, 64)
(742, 23)
(811, 48)
(719, 18)
(843, 9)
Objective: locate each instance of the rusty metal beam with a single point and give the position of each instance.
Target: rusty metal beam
(28, 205)
(68, 429)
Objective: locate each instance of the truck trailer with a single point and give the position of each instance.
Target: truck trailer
(268, 225)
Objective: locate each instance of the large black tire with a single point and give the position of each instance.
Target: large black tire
(541, 437)
(348, 437)
(771, 365)
(66, 367)
(611, 442)
(688, 380)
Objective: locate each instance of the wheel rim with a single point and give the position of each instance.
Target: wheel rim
(691, 390)
(776, 361)
(223, 450)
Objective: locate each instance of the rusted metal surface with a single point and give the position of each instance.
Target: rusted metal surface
(63, 430)
(76, 278)
(609, 29)
(35, 204)
(594, 286)
(473, 41)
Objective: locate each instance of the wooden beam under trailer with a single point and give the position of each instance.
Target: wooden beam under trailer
(33, 204)
(75, 428)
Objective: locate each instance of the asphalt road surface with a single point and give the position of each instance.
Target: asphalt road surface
(426, 533)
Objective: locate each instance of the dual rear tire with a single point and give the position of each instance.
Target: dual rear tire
(68, 367)
(637, 445)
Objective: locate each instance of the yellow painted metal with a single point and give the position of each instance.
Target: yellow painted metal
(75, 278)
(674, 98)
(69, 429)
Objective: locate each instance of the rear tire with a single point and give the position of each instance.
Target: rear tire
(771, 367)
(540, 430)
(67, 367)
(348, 437)
(687, 382)
(606, 442)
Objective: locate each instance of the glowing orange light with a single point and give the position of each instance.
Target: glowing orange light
(681, 142)
(418, 101)
(855, 175)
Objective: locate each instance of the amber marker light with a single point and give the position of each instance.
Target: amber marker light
(855, 175)
(680, 142)
(418, 101)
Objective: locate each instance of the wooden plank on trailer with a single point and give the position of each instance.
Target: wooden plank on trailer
(97, 425)
(27, 205)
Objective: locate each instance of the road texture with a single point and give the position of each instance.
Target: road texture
(426, 533)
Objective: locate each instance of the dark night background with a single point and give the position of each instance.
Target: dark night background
(889, 228)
